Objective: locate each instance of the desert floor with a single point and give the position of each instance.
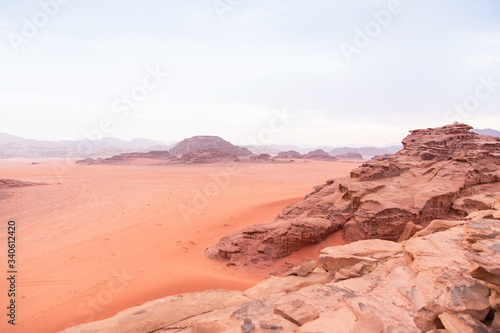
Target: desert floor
(99, 239)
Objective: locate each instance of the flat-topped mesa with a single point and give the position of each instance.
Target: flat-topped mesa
(435, 176)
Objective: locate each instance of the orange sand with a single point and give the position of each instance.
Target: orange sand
(100, 239)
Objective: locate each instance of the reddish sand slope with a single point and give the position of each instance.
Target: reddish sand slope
(100, 239)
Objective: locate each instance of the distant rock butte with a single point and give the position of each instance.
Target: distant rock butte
(319, 154)
(289, 154)
(349, 156)
(125, 157)
(445, 279)
(429, 179)
(199, 143)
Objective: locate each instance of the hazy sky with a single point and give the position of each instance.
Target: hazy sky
(350, 72)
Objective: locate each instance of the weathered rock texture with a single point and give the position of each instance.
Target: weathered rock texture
(446, 281)
(441, 173)
(204, 156)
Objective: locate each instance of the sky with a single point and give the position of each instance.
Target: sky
(301, 72)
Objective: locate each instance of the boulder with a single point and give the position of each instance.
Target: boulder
(342, 320)
(164, 312)
(437, 226)
(368, 252)
(462, 323)
(286, 284)
(303, 269)
(410, 230)
(297, 311)
(473, 203)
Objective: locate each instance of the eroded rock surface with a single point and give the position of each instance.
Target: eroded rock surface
(441, 173)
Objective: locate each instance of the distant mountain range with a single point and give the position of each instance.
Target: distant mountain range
(367, 152)
(487, 131)
(15, 146)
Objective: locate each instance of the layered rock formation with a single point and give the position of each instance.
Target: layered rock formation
(435, 176)
(198, 143)
(443, 280)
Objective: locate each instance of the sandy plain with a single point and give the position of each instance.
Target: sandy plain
(102, 238)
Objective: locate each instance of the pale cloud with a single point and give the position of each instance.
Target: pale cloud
(484, 60)
(228, 76)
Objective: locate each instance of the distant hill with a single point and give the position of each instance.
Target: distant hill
(261, 149)
(487, 131)
(289, 154)
(318, 154)
(367, 152)
(198, 143)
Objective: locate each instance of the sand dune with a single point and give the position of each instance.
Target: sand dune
(100, 239)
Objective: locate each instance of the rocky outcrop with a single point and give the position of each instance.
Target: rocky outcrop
(198, 143)
(446, 281)
(349, 156)
(442, 173)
